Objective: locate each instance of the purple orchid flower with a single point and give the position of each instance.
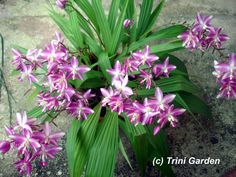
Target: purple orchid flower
(227, 69)
(121, 87)
(68, 94)
(117, 73)
(145, 57)
(22, 123)
(47, 152)
(228, 89)
(47, 101)
(59, 39)
(34, 56)
(161, 101)
(215, 37)
(147, 77)
(17, 56)
(24, 165)
(131, 64)
(190, 39)
(4, 146)
(53, 56)
(46, 136)
(147, 109)
(85, 96)
(134, 114)
(170, 115)
(24, 142)
(27, 72)
(79, 110)
(58, 82)
(74, 70)
(107, 94)
(202, 23)
(163, 69)
(117, 104)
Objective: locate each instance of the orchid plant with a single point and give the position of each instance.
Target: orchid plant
(113, 74)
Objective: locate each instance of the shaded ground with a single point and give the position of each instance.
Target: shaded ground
(26, 22)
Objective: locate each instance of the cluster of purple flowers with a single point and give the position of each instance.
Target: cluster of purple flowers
(118, 98)
(203, 35)
(31, 141)
(59, 66)
(225, 73)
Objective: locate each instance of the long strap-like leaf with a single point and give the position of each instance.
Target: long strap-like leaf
(102, 158)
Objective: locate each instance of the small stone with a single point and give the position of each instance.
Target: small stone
(59, 173)
(36, 174)
(214, 140)
(48, 172)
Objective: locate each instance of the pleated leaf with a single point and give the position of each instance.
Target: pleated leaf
(88, 9)
(102, 23)
(71, 141)
(145, 13)
(118, 31)
(139, 142)
(153, 18)
(159, 149)
(113, 13)
(104, 63)
(84, 141)
(193, 104)
(171, 84)
(102, 158)
(168, 47)
(122, 149)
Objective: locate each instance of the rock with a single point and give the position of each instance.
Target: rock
(214, 140)
(59, 173)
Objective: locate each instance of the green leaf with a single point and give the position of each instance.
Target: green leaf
(159, 149)
(104, 63)
(75, 30)
(103, 154)
(85, 140)
(153, 18)
(71, 141)
(36, 112)
(116, 36)
(168, 47)
(169, 32)
(90, 76)
(89, 11)
(93, 83)
(122, 149)
(64, 25)
(130, 10)
(166, 33)
(102, 23)
(139, 143)
(177, 62)
(21, 49)
(113, 13)
(145, 13)
(159, 141)
(194, 104)
(93, 46)
(171, 84)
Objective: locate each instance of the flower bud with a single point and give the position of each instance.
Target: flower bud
(128, 23)
(4, 146)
